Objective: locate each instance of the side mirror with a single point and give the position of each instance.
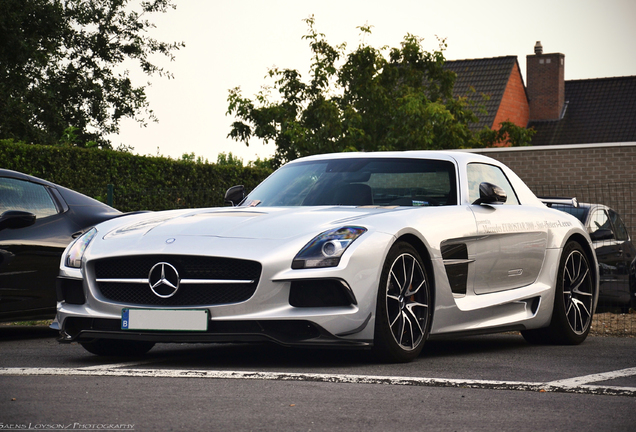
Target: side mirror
(235, 195)
(602, 234)
(14, 219)
(491, 194)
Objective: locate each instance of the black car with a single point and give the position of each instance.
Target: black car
(615, 252)
(38, 219)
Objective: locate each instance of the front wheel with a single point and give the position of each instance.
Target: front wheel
(573, 301)
(403, 312)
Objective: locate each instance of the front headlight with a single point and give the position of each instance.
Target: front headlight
(326, 249)
(76, 251)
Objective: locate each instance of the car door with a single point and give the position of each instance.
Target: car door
(609, 255)
(509, 249)
(624, 256)
(29, 256)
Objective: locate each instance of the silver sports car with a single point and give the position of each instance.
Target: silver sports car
(371, 250)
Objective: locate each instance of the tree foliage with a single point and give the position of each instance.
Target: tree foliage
(228, 159)
(363, 100)
(63, 68)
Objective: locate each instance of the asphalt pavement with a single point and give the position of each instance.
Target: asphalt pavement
(476, 383)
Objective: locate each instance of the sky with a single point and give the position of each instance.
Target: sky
(233, 43)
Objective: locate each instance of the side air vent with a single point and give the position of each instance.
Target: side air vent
(455, 256)
(70, 291)
(320, 293)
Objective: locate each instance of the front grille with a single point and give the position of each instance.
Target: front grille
(188, 267)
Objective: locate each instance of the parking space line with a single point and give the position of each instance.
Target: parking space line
(606, 376)
(567, 386)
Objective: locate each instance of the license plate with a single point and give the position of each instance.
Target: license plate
(164, 319)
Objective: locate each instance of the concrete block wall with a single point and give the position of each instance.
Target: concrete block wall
(604, 173)
(570, 164)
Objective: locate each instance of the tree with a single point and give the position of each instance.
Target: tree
(63, 68)
(228, 160)
(363, 101)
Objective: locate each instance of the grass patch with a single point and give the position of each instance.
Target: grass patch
(28, 323)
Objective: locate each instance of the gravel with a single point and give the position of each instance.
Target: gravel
(613, 324)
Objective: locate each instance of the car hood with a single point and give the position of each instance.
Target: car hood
(274, 223)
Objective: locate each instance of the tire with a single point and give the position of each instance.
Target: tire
(117, 348)
(403, 311)
(573, 301)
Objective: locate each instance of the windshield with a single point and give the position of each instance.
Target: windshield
(359, 182)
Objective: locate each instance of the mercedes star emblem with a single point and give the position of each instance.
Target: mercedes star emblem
(163, 280)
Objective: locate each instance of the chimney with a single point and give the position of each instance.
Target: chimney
(546, 84)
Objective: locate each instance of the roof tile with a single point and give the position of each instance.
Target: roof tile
(597, 111)
(483, 82)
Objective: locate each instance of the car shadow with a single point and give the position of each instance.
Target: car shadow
(471, 345)
(236, 356)
(17, 332)
(269, 356)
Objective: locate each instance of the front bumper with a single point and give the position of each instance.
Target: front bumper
(282, 332)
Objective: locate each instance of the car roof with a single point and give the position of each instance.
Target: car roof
(448, 155)
(72, 198)
(25, 177)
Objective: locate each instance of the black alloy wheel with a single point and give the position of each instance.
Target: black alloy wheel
(403, 315)
(573, 303)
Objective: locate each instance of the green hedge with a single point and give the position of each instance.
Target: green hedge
(140, 182)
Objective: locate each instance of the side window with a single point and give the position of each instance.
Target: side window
(479, 173)
(620, 231)
(598, 221)
(25, 196)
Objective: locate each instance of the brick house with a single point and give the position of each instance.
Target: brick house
(495, 88)
(587, 111)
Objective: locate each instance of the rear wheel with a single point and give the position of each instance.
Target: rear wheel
(403, 312)
(573, 302)
(117, 348)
